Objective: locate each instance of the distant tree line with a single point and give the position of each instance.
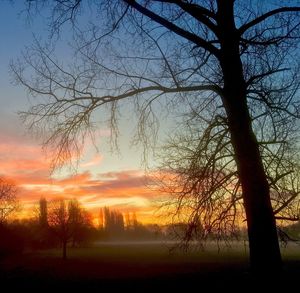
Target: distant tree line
(65, 223)
(62, 223)
(114, 225)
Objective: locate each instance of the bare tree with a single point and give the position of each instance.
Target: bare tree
(199, 172)
(233, 63)
(8, 199)
(65, 219)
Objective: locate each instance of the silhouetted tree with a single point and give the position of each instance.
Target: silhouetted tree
(8, 199)
(131, 221)
(79, 221)
(66, 219)
(127, 220)
(232, 63)
(43, 237)
(43, 212)
(101, 219)
(112, 222)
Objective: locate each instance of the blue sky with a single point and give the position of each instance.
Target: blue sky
(17, 33)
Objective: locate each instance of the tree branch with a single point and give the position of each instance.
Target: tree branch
(264, 74)
(263, 17)
(191, 6)
(163, 89)
(198, 12)
(292, 219)
(174, 28)
(286, 203)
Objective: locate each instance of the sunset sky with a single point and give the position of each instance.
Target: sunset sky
(102, 178)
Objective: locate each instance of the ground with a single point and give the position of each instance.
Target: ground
(145, 267)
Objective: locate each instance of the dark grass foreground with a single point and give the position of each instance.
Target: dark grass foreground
(145, 268)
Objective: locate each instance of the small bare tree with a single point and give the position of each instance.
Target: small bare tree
(8, 199)
(65, 219)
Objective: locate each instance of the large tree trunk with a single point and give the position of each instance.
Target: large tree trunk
(262, 233)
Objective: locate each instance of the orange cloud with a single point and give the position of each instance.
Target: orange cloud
(24, 162)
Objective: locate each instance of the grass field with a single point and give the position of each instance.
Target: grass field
(140, 267)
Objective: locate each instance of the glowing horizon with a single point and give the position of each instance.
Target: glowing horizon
(24, 163)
